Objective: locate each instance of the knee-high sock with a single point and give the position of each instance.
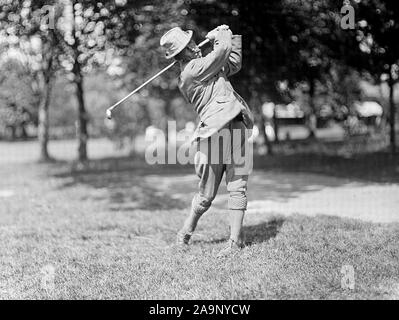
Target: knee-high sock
(236, 219)
(191, 222)
(199, 206)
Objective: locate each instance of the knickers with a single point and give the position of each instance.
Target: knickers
(227, 151)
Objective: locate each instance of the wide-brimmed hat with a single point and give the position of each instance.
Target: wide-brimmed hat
(175, 40)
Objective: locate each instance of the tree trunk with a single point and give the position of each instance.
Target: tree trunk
(311, 116)
(275, 125)
(82, 133)
(262, 131)
(24, 134)
(12, 132)
(82, 118)
(43, 126)
(392, 114)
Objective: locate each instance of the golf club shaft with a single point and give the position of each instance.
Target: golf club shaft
(143, 85)
(149, 80)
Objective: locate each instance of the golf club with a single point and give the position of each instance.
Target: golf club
(110, 109)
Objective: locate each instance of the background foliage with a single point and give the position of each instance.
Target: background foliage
(100, 50)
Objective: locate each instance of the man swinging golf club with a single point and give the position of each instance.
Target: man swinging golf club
(204, 83)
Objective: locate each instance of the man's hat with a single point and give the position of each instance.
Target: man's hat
(175, 40)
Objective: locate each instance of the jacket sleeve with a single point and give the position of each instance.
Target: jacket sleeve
(205, 68)
(233, 64)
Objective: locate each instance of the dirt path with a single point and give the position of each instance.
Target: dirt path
(312, 194)
(308, 194)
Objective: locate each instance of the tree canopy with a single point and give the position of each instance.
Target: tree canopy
(289, 46)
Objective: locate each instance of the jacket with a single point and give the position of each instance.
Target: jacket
(204, 83)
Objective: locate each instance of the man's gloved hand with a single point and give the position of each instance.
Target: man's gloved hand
(212, 34)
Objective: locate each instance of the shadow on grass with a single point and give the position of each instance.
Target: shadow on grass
(379, 167)
(127, 183)
(262, 232)
(130, 184)
(253, 233)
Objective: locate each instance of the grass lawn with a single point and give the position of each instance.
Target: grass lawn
(106, 233)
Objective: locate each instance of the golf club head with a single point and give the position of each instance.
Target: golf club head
(109, 114)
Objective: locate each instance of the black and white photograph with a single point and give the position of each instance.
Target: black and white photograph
(211, 152)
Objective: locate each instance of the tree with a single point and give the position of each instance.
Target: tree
(18, 100)
(145, 57)
(376, 37)
(342, 87)
(372, 47)
(33, 23)
(90, 31)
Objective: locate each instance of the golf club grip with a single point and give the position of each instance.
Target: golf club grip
(151, 79)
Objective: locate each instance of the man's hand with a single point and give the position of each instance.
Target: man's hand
(223, 27)
(212, 34)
